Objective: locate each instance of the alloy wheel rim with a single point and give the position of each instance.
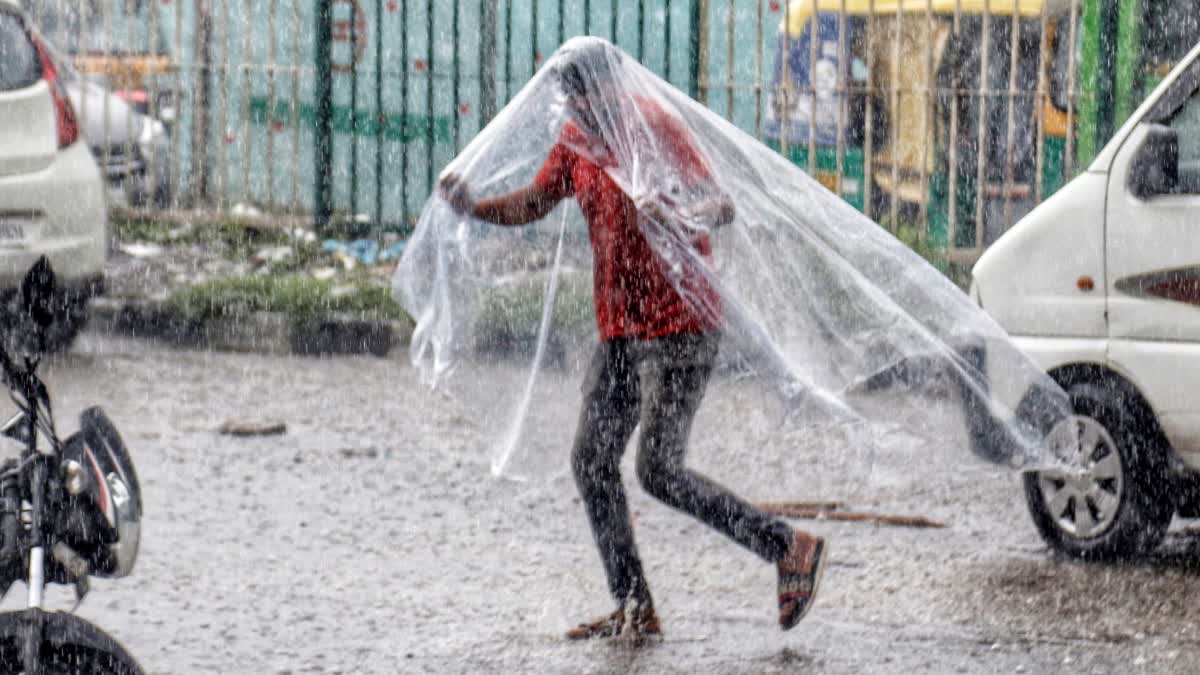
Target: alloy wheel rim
(1083, 501)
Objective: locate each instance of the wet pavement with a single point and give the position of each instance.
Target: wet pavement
(371, 538)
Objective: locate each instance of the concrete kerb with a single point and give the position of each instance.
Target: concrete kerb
(260, 332)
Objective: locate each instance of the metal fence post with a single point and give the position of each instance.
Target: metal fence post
(667, 41)
(1105, 86)
(641, 29)
(697, 48)
(200, 139)
(405, 117)
(429, 77)
(323, 139)
(378, 125)
(354, 129)
(487, 60)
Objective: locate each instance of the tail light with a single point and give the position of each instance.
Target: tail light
(64, 113)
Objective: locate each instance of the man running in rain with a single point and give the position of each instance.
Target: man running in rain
(656, 349)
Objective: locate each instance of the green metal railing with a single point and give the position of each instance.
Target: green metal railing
(494, 22)
(342, 112)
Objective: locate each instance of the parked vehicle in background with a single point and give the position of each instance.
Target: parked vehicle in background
(132, 149)
(117, 44)
(964, 112)
(1100, 284)
(876, 64)
(51, 192)
(131, 146)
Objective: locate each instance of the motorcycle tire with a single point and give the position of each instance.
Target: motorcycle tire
(68, 645)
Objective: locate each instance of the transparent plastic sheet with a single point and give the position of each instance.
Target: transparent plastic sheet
(835, 325)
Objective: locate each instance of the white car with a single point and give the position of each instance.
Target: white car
(1100, 285)
(52, 196)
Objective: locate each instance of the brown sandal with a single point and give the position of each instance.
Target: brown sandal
(800, 574)
(642, 623)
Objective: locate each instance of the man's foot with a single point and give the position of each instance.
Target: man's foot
(800, 573)
(637, 623)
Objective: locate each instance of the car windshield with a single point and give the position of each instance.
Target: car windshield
(99, 26)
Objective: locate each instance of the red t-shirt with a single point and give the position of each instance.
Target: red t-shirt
(633, 296)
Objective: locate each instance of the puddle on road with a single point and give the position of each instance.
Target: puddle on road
(1056, 597)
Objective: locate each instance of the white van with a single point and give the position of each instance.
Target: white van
(1100, 285)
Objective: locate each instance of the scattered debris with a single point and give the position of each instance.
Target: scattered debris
(342, 291)
(244, 427)
(139, 249)
(303, 235)
(197, 280)
(181, 231)
(831, 511)
(347, 261)
(241, 209)
(272, 255)
(365, 251)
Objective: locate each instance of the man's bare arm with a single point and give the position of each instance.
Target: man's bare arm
(523, 206)
(517, 208)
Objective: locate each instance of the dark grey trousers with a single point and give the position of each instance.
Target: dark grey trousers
(658, 383)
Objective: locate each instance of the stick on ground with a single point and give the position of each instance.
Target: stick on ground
(829, 511)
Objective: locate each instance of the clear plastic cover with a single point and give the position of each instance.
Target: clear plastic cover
(826, 319)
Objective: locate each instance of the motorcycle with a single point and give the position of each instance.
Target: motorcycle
(68, 509)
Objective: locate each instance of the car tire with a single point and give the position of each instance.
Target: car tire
(1116, 507)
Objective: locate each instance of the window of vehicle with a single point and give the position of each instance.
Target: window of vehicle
(1186, 123)
(19, 63)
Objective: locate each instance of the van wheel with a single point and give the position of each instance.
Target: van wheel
(1115, 506)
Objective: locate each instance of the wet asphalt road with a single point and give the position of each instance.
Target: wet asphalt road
(370, 538)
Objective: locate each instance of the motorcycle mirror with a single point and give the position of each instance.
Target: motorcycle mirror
(15, 428)
(37, 293)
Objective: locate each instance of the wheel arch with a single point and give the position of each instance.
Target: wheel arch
(1102, 375)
